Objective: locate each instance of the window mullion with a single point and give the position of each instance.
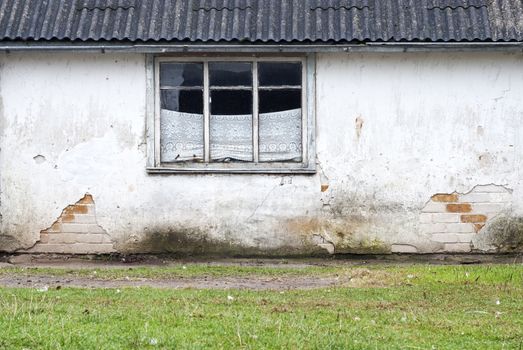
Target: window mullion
(206, 113)
(255, 120)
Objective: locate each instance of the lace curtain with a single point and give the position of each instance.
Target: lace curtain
(231, 137)
(280, 136)
(181, 136)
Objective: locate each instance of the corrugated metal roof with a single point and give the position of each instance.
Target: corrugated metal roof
(262, 20)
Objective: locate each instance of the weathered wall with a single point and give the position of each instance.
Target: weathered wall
(416, 153)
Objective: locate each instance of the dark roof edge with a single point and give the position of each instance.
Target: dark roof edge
(262, 48)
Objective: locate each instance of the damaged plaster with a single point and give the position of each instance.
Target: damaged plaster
(456, 219)
(76, 231)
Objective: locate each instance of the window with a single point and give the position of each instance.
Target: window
(232, 115)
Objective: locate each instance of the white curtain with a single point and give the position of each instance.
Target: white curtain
(231, 137)
(181, 136)
(280, 136)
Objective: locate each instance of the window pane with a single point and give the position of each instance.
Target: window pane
(280, 126)
(188, 101)
(230, 74)
(279, 100)
(279, 73)
(181, 74)
(231, 126)
(181, 136)
(231, 102)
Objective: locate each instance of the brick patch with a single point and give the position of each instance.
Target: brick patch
(478, 227)
(454, 219)
(76, 231)
(473, 218)
(459, 208)
(447, 198)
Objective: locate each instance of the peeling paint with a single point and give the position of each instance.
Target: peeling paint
(39, 159)
(340, 235)
(324, 179)
(455, 219)
(359, 126)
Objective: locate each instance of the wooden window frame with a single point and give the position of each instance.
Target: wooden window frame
(306, 166)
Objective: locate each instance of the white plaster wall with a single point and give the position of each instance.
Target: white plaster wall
(430, 123)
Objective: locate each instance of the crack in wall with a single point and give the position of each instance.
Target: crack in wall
(324, 179)
(324, 241)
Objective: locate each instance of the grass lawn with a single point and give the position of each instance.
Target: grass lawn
(378, 307)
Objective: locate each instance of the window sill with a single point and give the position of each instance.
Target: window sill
(215, 170)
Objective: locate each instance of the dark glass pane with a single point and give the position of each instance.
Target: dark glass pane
(230, 74)
(278, 73)
(187, 101)
(181, 74)
(231, 102)
(279, 100)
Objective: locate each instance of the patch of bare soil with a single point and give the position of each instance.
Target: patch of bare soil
(358, 278)
(249, 283)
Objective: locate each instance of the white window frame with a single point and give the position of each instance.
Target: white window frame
(306, 166)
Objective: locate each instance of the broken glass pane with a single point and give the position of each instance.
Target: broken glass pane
(280, 120)
(231, 126)
(279, 100)
(279, 73)
(233, 102)
(230, 74)
(181, 74)
(188, 101)
(181, 136)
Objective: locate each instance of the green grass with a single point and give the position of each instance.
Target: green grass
(414, 307)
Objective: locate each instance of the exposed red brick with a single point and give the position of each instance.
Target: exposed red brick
(478, 227)
(75, 231)
(56, 227)
(88, 199)
(76, 209)
(44, 237)
(459, 208)
(67, 217)
(448, 198)
(324, 188)
(473, 218)
(68, 210)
